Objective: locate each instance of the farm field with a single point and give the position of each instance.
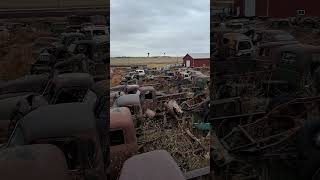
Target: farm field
(150, 61)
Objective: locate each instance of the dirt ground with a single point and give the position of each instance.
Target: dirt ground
(117, 76)
(150, 61)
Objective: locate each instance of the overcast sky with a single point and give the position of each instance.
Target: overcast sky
(175, 27)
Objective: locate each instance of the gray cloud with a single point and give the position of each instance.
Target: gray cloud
(172, 26)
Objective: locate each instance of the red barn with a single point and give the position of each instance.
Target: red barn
(196, 60)
(277, 8)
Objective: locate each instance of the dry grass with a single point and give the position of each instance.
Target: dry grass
(16, 53)
(150, 61)
(170, 135)
(117, 76)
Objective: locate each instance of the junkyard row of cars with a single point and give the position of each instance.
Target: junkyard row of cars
(141, 99)
(53, 121)
(264, 107)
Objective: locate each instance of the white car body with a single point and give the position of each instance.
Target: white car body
(185, 75)
(140, 72)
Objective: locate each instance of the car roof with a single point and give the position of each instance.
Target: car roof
(120, 117)
(132, 87)
(36, 162)
(8, 105)
(27, 83)
(59, 120)
(128, 99)
(300, 48)
(146, 88)
(73, 80)
(143, 166)
(237, 36)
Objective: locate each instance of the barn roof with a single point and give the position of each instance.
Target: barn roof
(199, 55)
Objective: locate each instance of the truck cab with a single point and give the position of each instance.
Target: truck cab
(131, 101)
(239, 44)
(72, 127)
(123, 141)
(36, 162)
(140, 72)
(148, 97)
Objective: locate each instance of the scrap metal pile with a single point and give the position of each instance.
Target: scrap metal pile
(265, 117)
(171, 112)
(56, 113)
(53, 43)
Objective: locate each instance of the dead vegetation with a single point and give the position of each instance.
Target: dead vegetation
(165, 124)
(117, 76)
(16, 53)
(189, 148)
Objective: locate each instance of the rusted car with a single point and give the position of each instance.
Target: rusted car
(132, 89)
(201, 82)
(78, 63)
(58, 27)
(69, 87)
(308, 23)
(283, 24)
(54, 53)
(123, 141)
(295, 64)
(92, 49)
(96, 53)
(142, 167)
(117, 88)
(71, 127)
(114, 95)
(131, 101)
(128, 89)
(264, 53)
(116, 91)
(66, 39)
(265, 36)
(148, 98)
(14, 108)
(238, 44)
(235, 140)
(154, 100)
(41, 43)
(36, 162)
(24, 85)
